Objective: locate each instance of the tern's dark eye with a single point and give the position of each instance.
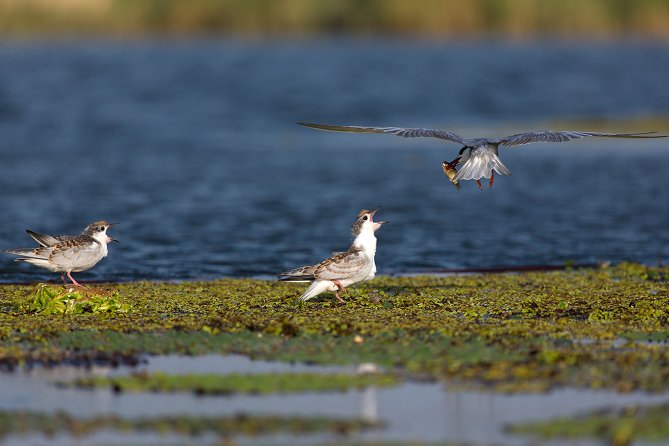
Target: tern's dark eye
(102, 228)
(364, 218)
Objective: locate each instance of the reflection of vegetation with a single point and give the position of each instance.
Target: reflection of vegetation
(515, 18)
(51, 299)
(616, 427)
(260, 383)
(21, 422)
(510, 332)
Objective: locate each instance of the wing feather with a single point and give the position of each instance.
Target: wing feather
(341, 266)
(48, 240)
(302, 274)
(41, 253)
(562, 136)
(78, 250)
(406, 133)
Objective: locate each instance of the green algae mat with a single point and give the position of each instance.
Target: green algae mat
(61, 299)
(616, 427)
(228, 384)
(600, 328)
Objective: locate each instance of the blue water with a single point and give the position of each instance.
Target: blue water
(192, 146)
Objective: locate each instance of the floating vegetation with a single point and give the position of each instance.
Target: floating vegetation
(70, 299)
(24, 422)
(617, 427)
(506, 332)
(213, 384)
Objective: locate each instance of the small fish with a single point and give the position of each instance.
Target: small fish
(450, 172)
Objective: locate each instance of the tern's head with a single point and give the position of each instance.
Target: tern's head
(98, 231)
(464, 154)
(364, 222)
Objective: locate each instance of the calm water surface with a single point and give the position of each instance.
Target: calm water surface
(421, 412)
(193, 147)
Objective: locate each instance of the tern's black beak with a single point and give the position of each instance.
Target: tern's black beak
(372, 215)
(111, 239)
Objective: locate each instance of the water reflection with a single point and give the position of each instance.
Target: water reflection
(428, 412)
(368, 406)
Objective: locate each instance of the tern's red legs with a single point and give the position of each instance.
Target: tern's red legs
(492, 177)
(336, 282)
(62, 276)
(74, 281)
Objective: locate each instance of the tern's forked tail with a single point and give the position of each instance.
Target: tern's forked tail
(480, 165)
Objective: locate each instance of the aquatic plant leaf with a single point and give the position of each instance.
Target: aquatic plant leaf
(50, 299)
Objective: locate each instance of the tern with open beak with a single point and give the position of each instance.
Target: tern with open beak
(345, 268)
(67, 254)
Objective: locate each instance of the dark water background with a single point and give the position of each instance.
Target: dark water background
(193, 147)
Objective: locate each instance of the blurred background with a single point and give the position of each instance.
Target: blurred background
(177, 118)
(516, 19)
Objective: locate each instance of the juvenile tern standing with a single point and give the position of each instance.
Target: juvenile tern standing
(479, 156)
(345, 268)
(66, 253)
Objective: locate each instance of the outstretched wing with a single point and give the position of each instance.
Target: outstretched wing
(342, 265)
(407, 133)
(562, 136)
(79, 250)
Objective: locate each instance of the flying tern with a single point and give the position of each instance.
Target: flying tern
(479, 156)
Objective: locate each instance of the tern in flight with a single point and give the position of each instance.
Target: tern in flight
(478, 156)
